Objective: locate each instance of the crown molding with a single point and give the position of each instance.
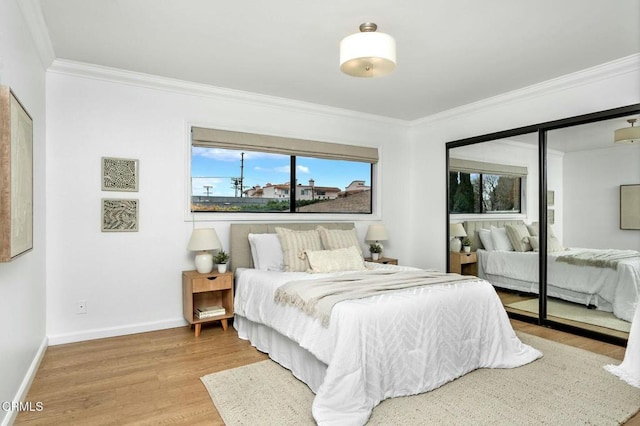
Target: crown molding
(116, 75)
(607, 70)
(32, 14)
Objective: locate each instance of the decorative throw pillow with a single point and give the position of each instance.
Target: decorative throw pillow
(266, 252)
(485, 239)
(533, 230)
(294, 244)
(553, 244)
(338, 238)
(500, 239)
(338, 260)
(519, 237)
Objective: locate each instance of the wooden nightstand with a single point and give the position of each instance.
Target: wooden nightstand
(464, 263)
(384, 260)
(203, 290)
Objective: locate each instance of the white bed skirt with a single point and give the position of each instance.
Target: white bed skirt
(303, 365)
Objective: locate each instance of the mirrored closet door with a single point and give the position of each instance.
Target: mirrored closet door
(556, 188)
(493, 188)
(591, 265)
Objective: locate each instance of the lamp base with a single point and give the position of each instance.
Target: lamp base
(204, 262)
(455, 245)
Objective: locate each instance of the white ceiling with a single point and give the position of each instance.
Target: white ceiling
(450, 52)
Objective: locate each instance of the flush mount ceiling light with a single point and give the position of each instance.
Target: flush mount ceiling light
(628, 134)
(368, 53)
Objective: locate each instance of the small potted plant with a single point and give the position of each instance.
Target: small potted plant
(221, 259)
(375, 250)
(466, 244)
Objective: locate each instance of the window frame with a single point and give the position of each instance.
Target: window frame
(376, 178)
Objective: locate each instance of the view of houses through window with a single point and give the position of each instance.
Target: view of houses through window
(225, 180)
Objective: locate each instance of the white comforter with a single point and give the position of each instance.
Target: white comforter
(618, 288)
(388, 345)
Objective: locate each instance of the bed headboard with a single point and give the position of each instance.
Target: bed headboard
(239, 249)
(472, 227)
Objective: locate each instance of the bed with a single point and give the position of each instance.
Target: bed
(397, 343)
(574, 274)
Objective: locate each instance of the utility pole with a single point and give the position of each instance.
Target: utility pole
(207, 188)
(241, 173)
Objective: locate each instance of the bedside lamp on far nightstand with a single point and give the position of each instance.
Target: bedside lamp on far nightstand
(456, 231)
(376, 233)
(202, 240)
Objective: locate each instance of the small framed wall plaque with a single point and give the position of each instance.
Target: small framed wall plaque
(16, 177)
(119, 174)
(119, 215)
(630, 207)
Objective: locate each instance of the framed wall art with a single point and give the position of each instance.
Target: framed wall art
(630, 207)
(16, 177)
(119, 174)
(119, 215)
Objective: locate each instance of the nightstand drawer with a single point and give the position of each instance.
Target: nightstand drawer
(468, 257)
(211, 283)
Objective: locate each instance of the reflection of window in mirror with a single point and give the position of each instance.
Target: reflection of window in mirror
(497, 177)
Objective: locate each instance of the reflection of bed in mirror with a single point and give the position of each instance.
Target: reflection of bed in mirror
(607, 280)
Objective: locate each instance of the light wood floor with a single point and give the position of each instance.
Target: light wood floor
(154, 378)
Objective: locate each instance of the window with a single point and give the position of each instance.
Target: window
(255, 174)
(482, 193)
(478, 188)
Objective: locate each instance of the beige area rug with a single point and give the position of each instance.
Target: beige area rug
(568, 386)
(574, 312)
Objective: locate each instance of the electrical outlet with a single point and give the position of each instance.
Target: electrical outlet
(81, 307)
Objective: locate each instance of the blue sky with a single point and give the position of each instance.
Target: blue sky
(216, 168)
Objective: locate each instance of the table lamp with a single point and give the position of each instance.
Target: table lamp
(456, 231)
(377, 233)
(202, 240)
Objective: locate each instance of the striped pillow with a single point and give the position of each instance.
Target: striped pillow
(333, 239)
(294, 244)
(519, 237)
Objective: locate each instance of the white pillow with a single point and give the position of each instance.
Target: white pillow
(500, 239)
(294, 244)
(485, 238)
(342, 259)
(266, 252)
(338, 238)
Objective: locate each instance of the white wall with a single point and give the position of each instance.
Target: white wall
(131, 281)
(592, 197)
(22, 281)
(614, 85)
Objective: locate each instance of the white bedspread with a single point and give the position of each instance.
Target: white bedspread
(619, 288)
(388, 345)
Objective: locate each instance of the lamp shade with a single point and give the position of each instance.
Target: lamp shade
(204, 239)
(628, 135)
(368, 53)
(376, 233)
(457, 230)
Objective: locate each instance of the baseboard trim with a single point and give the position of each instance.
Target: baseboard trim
(23, 390)
(101, 333)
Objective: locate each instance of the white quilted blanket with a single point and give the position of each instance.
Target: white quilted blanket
(389, 345)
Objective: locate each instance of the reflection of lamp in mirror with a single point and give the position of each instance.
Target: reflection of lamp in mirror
(456, 232)
(628, 135)
(202, 240)
(377, 233)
